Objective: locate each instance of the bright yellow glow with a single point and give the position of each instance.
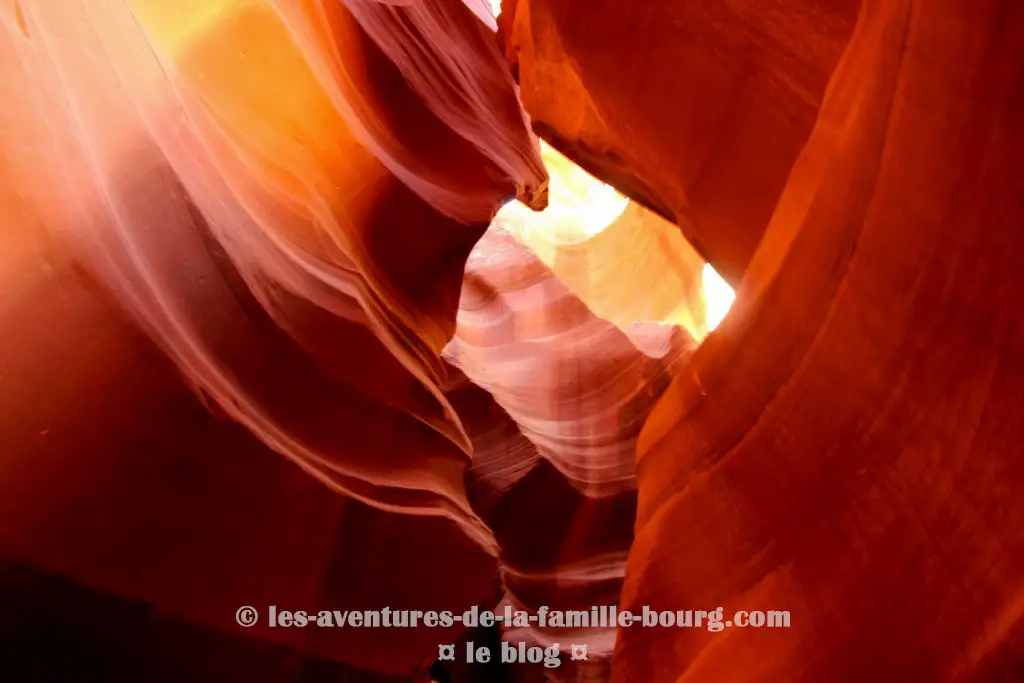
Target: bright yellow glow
(579, 205)
(496, 7)
(626, 269)
(172, 25)
(718, 296)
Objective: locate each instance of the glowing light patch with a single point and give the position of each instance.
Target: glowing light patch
(579, 205)
(718, 296)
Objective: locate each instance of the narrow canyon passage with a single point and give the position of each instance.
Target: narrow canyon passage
(538, 307)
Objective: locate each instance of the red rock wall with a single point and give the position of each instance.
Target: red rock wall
(284, 200)
(845, 446)
(697, 109)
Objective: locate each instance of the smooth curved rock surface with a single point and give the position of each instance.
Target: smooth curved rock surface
(576, 385)
(845, 445)
(696, 109)
(117, 481)
(189, 175)
(249, 230)
(287, 206)
(578, 389)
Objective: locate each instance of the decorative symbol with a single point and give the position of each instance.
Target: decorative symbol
(446, 653)
(246, 616)
(579, 652)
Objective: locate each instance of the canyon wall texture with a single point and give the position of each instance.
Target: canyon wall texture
(695, 109)
(271, 333)
(847, 443)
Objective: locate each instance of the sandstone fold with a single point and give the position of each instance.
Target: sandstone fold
(286, 188)
(236, 230)
(844, 446)
(283, 204)
(553, 470)
(696, 109)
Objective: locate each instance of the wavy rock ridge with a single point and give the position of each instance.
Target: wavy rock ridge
(297, 212)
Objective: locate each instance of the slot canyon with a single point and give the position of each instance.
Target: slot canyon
(531, 306)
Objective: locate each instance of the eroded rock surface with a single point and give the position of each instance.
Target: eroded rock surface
(286, 205)
(697, 109)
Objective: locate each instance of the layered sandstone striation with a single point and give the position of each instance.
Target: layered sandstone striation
(271, 333)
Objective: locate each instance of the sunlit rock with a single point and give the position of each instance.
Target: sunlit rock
(262, 343)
